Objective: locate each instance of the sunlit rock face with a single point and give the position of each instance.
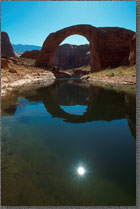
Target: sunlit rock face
(6, 46)
(70, 56)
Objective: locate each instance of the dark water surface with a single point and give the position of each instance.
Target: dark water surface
(51, 132)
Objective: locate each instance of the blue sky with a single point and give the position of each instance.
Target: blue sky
(30, 22)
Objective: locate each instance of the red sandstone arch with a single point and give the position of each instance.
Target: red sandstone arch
(109, 46)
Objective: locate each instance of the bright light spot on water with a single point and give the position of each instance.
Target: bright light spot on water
(81, 171)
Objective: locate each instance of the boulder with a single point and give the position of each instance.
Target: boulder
(31, 54)
(59, 74)
(78, 73)
(11, 70)
(4, 63)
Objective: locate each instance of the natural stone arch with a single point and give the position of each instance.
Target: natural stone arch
(109, 46)
(54, 40)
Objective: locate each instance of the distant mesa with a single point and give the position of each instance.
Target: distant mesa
(6, 46)
(21, 48)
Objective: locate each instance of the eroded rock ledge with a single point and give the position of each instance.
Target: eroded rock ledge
(17, 73)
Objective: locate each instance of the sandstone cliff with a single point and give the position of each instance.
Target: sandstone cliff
(67, 56)
(72, 56)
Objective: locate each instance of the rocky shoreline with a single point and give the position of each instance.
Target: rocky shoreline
(47, 78)
(41, 79)
(106, 80)
(120, 76)
(17, 73)
(20, 73)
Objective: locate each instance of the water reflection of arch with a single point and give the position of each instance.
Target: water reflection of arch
(105, 105)
(101, 105)
(92, 112)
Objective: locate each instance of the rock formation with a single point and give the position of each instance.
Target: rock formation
(72, 56)
(31, 54)
(6, 46)
(67, 56)
(132, 54)
(109, 46)
(4, 63)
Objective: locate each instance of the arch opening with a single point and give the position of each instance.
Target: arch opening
(52, 42)
(73, 52)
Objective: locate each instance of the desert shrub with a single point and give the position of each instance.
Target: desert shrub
(111, 74)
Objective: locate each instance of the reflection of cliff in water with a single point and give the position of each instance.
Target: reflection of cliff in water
(101, 104)
(68, 94)
(130, 104)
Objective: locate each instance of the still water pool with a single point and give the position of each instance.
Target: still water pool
(69, 144)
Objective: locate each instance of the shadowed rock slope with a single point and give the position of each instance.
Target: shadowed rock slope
(70, 56)
(6, 46)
